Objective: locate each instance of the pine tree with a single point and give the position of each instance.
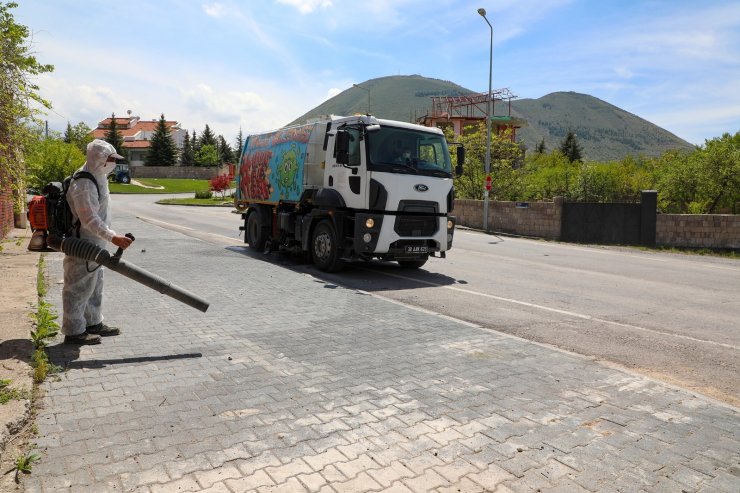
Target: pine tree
(207, 138)
(570, 147)
(162, 149)
(187, 158)
(540, 149)
(68, 134)
(195, 144)
(113, 136)
(225, 154)
(239, 144)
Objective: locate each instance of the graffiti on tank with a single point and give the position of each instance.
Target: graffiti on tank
(287, 171)
(254, 176)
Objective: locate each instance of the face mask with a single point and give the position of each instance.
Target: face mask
(107, 168)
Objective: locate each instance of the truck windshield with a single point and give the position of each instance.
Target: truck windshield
(403, 150)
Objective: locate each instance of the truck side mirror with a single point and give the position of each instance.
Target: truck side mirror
(341, 147)
(460, 160)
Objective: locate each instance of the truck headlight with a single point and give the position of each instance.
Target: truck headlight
(369, 223)
(367, 236)
(450, 224)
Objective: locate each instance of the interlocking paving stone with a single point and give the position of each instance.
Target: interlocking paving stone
(292, 383)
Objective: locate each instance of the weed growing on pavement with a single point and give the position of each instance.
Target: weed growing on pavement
(46, 325)
(8, 394)
(41, 287)
(24, 463)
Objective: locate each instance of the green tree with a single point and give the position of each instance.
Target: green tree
(18, 93)
(50, 159)
(113, 136)
(719, 161)
(225, 154)
(239, 144)
(540, 149)
(78, 135)
(548, 175)
(207, 138)
(207, 155)
(162, 149)
(194, 142)
(505, 154)
(187, 156)
(571, 148)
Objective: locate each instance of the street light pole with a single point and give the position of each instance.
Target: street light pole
(368, 96)
(482, 13)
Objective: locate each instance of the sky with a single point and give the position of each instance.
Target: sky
(257, 65)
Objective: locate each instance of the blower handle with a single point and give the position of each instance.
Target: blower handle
(119, 252)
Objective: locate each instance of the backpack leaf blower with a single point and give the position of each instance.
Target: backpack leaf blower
(75, 247)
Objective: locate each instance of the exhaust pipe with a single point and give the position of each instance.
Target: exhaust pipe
(75, 247)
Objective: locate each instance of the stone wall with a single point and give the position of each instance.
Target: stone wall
(698, 230)
(540, 219)
(193, 172)
(543, 220)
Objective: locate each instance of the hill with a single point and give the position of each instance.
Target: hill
(605, 131)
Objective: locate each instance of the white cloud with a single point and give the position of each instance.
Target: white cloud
(333, 92)
(307, 6)
(214, 10)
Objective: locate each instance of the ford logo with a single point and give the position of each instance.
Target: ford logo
(421, 187)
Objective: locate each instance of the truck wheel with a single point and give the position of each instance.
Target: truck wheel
(325, 249)
(255, 233)
(125, 179)
(411, 264)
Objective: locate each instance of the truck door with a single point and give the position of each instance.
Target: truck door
(349, 175)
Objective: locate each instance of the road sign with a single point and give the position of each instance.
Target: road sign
(488, 183)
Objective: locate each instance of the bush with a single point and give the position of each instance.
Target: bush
(203, 194)
(220, 184)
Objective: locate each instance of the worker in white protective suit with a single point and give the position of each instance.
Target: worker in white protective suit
(82, 295)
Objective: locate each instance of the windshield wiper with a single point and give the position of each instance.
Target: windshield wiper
(407, 168)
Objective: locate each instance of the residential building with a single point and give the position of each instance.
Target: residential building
(137, 134)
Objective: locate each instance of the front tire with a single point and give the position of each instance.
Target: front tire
(412, 264)
(255, 232)
(125, 179)
(325, 248)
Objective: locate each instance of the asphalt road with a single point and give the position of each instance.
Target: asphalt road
(673, 317)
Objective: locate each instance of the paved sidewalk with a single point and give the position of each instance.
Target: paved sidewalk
(289, 383)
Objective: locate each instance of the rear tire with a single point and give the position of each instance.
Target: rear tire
(325, 248)
(412, 264)
(255, 232)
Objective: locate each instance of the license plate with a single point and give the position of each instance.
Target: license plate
(417, 249)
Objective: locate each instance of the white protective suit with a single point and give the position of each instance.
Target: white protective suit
(82, 295)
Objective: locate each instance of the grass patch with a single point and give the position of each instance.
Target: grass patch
(212, 202)
(161, 185)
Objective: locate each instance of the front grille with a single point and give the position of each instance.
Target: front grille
(416, 218)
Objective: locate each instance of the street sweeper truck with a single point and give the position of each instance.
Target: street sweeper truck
(349, 188)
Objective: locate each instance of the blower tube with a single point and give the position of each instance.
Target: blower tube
(75, 247)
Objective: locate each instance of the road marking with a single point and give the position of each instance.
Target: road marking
(649, 256)
(559, 311)
(193, 233)
(225, 239)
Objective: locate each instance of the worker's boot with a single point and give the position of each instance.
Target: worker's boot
(83, 339)
(103, 330)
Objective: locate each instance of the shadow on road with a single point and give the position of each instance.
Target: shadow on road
(368, 276)
(67, 356)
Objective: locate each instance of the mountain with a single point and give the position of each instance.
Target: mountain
(605, 131)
